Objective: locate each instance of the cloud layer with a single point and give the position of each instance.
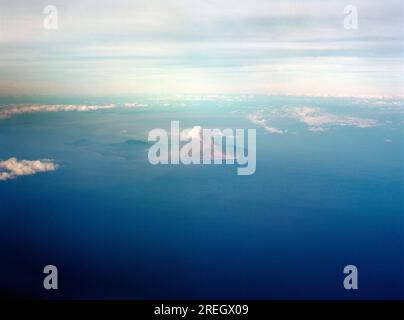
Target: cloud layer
(196, 46)
(9, 111)
(318, 120)
(12, 168)
(135, 105)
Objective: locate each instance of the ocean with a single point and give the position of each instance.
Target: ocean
(327, 192)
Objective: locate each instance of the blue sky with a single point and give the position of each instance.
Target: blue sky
(194, 46)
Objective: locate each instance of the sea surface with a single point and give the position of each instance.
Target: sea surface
(327, 192)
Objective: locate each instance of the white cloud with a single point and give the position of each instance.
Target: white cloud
(317, 129)
(207, 97)
(12, 168)
(388, 140)
(191, 133)
(273, 130)
(317, 119)
(135, 105)
(262, 122)
(9, 111)
(5, 176)
(207, 141)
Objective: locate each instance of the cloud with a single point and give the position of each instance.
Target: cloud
(317, 120)
(273, 130)
(194, 46)
(208, 140)
(12, 110)
(191, 133)
(207, 97)
(12, 168)
(262, 122)
(135, 105)
(317, 129)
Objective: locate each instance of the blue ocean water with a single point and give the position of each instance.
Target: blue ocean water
(118, 227)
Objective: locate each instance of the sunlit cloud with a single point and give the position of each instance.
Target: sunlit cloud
(319, 120)
(135, 105)
(10, 111)
(12, 168)
(259, 120)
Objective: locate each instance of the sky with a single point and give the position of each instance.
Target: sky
(194, 46)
